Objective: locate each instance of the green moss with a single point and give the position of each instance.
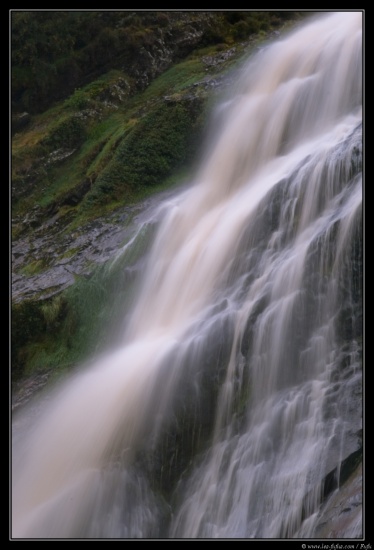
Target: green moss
(69, 253)
(156, 146)
(36, 266)
(176, 78)
(52, 310)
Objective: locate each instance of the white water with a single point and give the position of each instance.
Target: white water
(242, 294)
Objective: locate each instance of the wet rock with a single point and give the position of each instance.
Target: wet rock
(28, 389)
(219, 58)
(58, 258)
(58, 156)
(63, 262)
(116, 93)
(341, 516)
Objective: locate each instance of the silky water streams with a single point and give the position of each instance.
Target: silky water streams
(237, 388)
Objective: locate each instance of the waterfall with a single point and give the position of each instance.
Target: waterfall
(237, 387)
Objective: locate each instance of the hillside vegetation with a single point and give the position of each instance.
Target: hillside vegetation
(107, 108)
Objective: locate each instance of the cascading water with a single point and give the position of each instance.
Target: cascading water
(237, 390)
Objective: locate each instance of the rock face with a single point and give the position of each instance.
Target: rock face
(60, 258)
(63, 257)
(341, 516)
(183, 33)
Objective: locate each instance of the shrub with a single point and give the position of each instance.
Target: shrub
(156, 146)
(27, 325)
(69, 133)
